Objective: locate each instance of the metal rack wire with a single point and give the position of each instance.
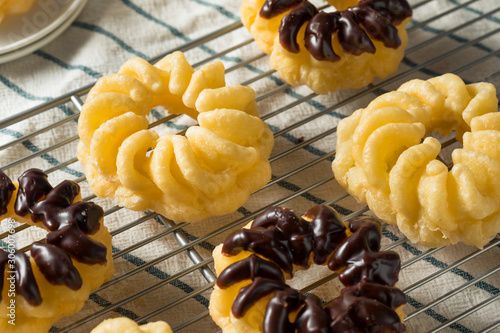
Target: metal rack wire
(305, 180)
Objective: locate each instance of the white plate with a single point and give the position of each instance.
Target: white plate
(23, 34)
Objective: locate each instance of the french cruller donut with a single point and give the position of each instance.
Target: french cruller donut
(60, 273)
(209, 171)
(330, 50)
(386, 158)
(253, 264)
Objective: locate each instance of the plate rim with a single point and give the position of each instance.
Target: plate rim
(64, 16)
(27, 49)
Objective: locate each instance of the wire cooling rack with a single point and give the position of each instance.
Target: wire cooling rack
(164, 269)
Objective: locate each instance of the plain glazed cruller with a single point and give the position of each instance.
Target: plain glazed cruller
(253, 264)
(62, 271)
(125, 325)
(209, 171)
(385, 159)
(329, 51)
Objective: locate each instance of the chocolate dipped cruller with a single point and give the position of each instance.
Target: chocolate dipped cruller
(61, 271)
(329, 51)
(253, 264)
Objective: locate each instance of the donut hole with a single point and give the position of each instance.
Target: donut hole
(306, 282)
(329, 9)
(168, 120)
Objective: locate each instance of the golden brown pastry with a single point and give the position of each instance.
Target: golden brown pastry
(61, 272)
(386, 159)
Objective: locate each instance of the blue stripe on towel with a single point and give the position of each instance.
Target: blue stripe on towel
(475, 11)
(87, 70)
(21, 92)
(105, 303)
(438, 317)
(150, 17)
(156, 272)
(172, 29)
(100, 30)
(440, 264)
(34, 149)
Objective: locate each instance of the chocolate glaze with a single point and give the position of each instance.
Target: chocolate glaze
(291, 24)
(294, 231)
(312, 318)
(77, 245)
(366, 305)
(287, 239)
(396, 11)
(250, 294)
(6, 190)
(33, 185)
(279, 308)
(266, 242)
(378, 26)
(352, 37)
(69, 225)
(51, 210)
(249, 268)
(3, 261)
(376, 18)
(24, 280)
(359, 255)
(272, 8)
(387, 295)
(356, 310)
(328, 231)
(64, 273)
